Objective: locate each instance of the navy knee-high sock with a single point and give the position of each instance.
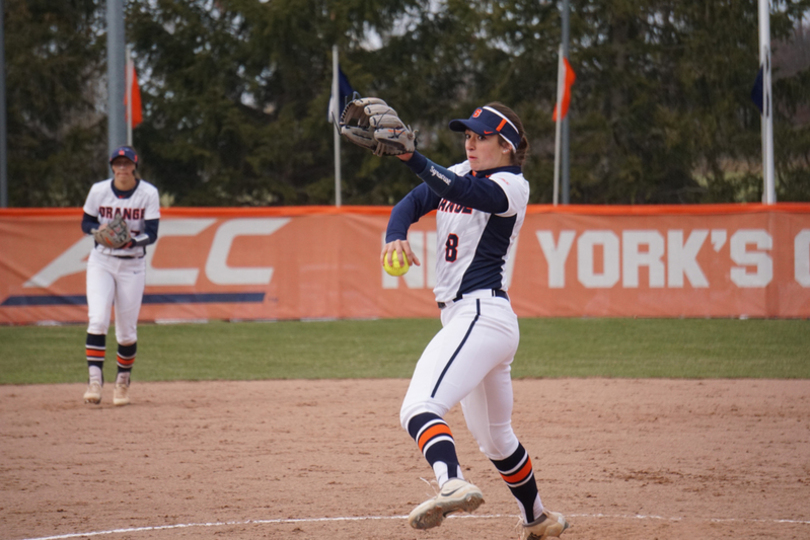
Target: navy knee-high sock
(517, 472)
(435, 441)
(126, 359)
(95, 348)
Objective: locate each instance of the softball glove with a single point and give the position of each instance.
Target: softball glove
(372, 124)
(114, 235)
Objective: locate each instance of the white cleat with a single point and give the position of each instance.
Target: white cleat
(121, 394)
(549, 525)
(93, 393)
(456, 495)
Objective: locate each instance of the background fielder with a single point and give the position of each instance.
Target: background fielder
(481, 204)
(116, 276)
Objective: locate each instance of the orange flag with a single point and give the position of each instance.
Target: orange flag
(570, 77)
(137, 115)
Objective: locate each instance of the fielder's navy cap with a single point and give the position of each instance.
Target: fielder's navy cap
(488, 121)
(126, 152)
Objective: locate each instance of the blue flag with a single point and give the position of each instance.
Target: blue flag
(756, 91)
(345, 92)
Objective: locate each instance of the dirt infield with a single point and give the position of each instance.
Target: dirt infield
(629, 459)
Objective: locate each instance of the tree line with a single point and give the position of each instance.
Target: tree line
(235, 95)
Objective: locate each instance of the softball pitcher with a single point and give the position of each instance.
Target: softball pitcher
(481, 204)
(116, 270)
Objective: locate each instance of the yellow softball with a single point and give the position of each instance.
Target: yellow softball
(397, 268)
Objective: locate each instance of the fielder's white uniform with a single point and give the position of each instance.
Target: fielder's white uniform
(118, 276)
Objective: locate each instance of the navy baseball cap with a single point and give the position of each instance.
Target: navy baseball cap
(488, 121)
(125, 151)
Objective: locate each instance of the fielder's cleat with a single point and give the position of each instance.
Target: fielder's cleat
(549, 525)
(93, 393)
(455, 495)
(121, 394)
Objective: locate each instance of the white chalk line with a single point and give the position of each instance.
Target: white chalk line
(380, 518)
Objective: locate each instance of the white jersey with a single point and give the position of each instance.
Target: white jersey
(469, 362)
(104, 204)
(473, 246)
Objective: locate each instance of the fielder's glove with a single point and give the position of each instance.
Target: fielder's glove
(114, 235)
(370, 123)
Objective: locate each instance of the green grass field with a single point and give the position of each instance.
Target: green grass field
(629, 348)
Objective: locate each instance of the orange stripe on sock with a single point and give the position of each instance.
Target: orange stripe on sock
(438, 429)
(521, 475)
(95, 353)
(126, 363)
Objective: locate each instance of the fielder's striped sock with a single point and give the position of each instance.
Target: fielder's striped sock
(95, 348)
(126, 355)
(126, 359)
(517, 472)
(435, 441)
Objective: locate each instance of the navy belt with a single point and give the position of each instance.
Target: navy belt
(495, 292)
(128, 256)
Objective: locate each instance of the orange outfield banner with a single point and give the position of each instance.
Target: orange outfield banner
(323, 262)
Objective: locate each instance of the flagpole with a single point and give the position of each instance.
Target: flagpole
(116, 63)
(129, 96)
(335, 111)
(3, 123)
(560, 90)
(566, 156)
(769, 190)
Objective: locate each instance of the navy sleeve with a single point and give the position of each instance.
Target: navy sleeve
(414, 205)
(149, 235)
(467, 190)
(479, 193)
(89, 222)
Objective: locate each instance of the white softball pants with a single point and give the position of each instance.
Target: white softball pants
(469, 361)
(121, 282)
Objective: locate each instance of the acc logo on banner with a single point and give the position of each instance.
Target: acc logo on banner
(217, 270)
